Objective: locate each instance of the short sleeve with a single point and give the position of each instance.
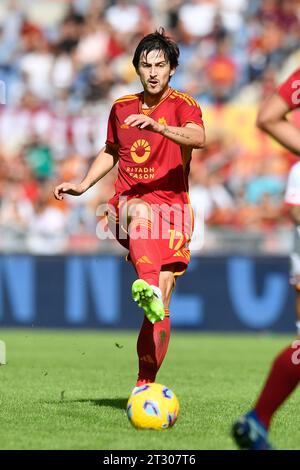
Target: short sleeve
(290, 90)
(292, 193)
(112, 137)
(189, 111)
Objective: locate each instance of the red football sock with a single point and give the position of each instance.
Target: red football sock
(152, 346)
(144, 251)
(282, 380)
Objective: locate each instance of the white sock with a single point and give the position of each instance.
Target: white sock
(157, 291)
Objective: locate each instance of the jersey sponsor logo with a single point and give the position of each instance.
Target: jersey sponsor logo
(144, 173)
(140, 151)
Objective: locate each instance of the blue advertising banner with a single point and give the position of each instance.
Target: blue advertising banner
(233, 293)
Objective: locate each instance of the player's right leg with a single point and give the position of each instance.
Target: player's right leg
(146, 258)
(130, 223)
(149, 298)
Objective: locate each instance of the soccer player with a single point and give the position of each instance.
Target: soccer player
(151, 135)
(251, 430)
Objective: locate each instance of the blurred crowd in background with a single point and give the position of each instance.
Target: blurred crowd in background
(63, 63)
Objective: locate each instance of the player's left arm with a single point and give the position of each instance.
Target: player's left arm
(272, 119)
(190, 135)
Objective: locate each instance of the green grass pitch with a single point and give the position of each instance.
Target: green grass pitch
(68, 390)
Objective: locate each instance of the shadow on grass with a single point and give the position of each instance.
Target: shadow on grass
(119, 403)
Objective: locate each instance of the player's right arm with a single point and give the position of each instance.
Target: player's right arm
(103, 163)
(272, 115)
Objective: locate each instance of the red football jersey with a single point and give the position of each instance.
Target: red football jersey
(290, 90)
(151, 165)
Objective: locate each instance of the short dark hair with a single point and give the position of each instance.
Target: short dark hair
(157, 41)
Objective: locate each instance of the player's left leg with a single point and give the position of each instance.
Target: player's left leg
(282, 380)
(153, 340)
(145, 254)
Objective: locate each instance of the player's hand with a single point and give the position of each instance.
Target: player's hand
(144, 122)
(67, 188)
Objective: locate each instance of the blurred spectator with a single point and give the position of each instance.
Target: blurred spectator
(36, 65)
(222, 72)
(233, 14)
(197, 17)
(16, 212)
(265, 182)
(39, 158)
(123, 16)
(62, 64)
(47, 230)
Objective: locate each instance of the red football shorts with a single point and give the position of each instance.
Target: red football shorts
(172, 233)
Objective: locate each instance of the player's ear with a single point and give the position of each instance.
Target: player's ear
(172, 71)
